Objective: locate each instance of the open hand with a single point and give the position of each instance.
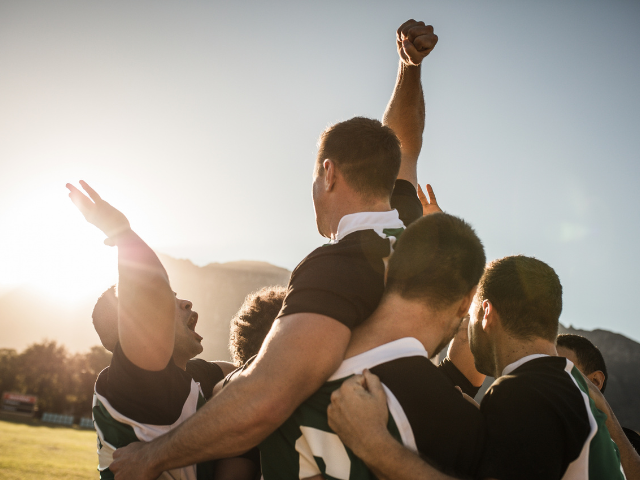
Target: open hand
(429, 205)
(98, 212)
(415, 41)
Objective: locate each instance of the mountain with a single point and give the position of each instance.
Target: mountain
(217, 290)
(622, 357)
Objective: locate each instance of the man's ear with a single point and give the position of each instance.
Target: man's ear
(465, 303)
(597, 378)
(329, 174)
(489, 317)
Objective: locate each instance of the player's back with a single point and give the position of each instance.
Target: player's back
(543, 425)
(427, 415)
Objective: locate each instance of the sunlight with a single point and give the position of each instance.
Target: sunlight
(49, 245)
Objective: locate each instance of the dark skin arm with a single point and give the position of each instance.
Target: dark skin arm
(146, 303)
(405, 113)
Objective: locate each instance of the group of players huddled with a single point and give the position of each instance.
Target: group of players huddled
(333, 375)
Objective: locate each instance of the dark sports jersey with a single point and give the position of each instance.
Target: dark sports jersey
(543, 425)
(344, 279)
(131, 404)
(426, 413)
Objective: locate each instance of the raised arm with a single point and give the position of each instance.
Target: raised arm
(293, 363)
(405, 112)
(146, 304)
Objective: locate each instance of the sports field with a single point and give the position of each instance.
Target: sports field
(38, 451)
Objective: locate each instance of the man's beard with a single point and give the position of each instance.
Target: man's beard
(481, 356)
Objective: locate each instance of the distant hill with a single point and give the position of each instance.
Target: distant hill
(217, 290)
(622, 356)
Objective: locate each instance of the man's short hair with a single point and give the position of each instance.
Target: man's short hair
(439, 258)
(589, 356)
(366, 152)
(105, 318)
(252, 323)
(527, 295)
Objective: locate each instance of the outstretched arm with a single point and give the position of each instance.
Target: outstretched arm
(358, 414)
(405, 112)
(146, 304)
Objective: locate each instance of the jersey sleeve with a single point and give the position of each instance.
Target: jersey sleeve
(525, 439)
(207, 374)
(405, 200)
(344, 285)
(146, 396)
(457, 378)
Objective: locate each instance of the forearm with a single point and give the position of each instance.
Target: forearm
(405, 115)
(234, 421)
(146, 304)
(628, 456)
(389, 460)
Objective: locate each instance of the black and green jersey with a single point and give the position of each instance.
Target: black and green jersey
(131, 404)
(543, 425)
(426, 413)
(344, 279)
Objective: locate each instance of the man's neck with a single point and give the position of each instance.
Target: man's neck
(180, 362)
(509, 350)
(397, 318)
(353, 203)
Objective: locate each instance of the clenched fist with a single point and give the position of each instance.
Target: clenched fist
(415, 41)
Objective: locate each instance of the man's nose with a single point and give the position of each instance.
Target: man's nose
(186, 304)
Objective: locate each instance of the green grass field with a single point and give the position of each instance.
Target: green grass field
(31, 450)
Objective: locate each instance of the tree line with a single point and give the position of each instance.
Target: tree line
(63, 382)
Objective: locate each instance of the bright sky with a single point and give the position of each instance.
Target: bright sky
(199, 121)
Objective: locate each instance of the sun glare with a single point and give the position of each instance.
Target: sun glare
(48, 244)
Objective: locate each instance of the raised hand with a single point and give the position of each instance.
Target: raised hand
(415, 41)
(98, 212)
(429, 205)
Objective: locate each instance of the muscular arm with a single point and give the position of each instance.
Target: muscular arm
(405, 113)
(299, 354)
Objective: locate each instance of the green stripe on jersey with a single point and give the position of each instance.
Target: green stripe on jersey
(604, 461)
(305, 445)
(393, 232)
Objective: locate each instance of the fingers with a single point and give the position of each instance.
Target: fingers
(403, 31)
(92, 193)
(415, 41)
(374, 385)
(80, 200)
(432, 196)
(422, 196)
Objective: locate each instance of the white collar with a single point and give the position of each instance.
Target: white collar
(512, 366)
(403, 347)
(377, 221)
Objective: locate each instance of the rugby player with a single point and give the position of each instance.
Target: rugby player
(151, 386)
(432, 278)
(588, 359)
(541, 423)
(331, 291)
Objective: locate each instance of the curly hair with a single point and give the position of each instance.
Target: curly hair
(250, 325)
